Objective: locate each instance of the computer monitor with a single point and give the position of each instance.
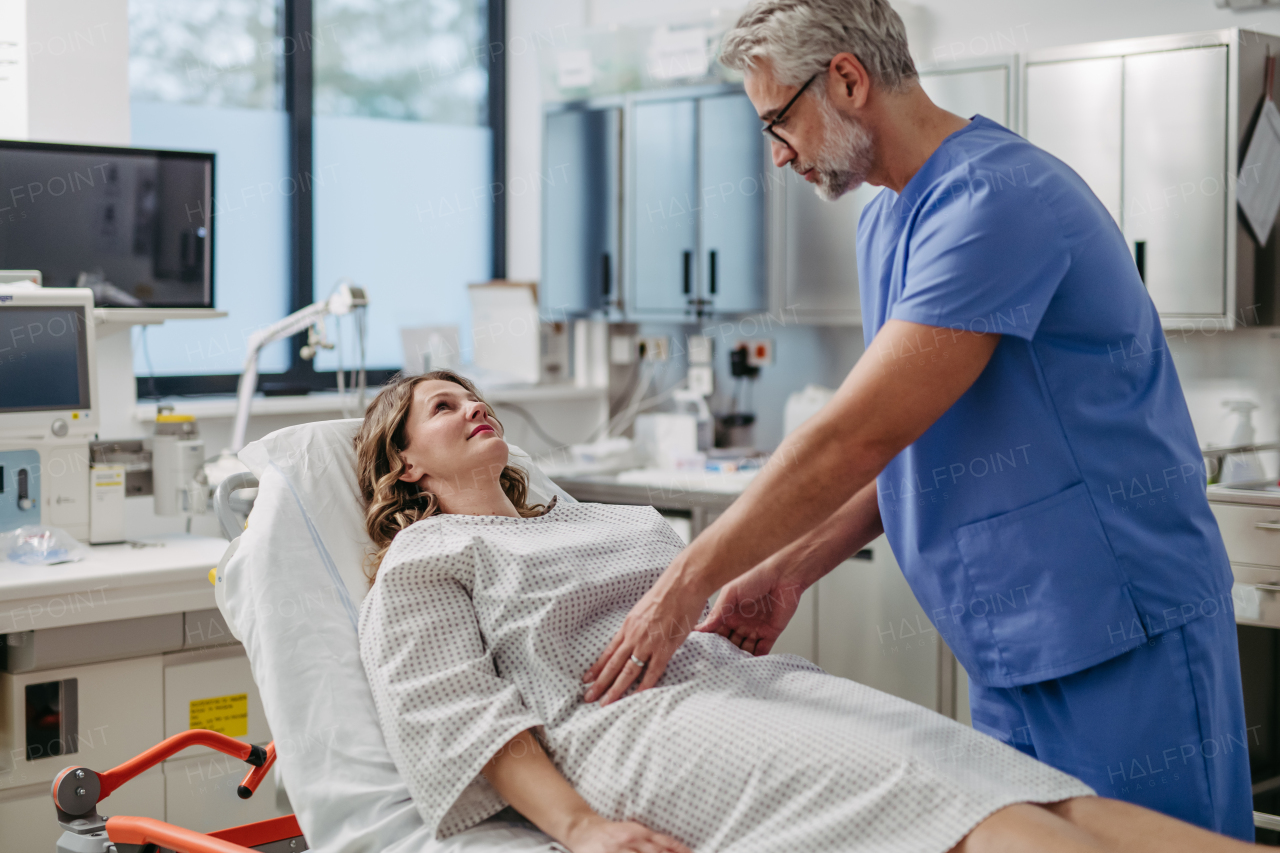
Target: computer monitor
(48, 370)
(137, 219)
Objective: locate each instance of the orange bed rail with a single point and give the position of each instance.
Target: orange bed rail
(77, 790)
(114, 778)
(145, 830)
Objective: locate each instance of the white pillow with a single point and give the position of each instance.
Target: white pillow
(321, 458)
(290, 589)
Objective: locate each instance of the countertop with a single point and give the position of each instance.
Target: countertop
(170, 575)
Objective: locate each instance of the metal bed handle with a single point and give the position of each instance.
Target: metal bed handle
(233, 501)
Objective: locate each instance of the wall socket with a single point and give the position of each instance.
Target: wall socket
(699, 349)
(654, 349)
(759, 351)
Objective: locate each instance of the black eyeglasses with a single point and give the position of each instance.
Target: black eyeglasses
(768, 130)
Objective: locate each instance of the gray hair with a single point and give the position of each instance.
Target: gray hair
(799, 38)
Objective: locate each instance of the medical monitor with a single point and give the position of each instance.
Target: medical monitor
(48, 384)
(137, 219)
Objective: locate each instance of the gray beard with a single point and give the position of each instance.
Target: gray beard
(844, 160)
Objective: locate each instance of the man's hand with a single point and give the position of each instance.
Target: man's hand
(753, 610)
(654, 629)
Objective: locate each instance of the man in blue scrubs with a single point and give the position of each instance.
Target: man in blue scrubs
(1015, 427)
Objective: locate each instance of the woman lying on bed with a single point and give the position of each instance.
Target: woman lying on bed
(485, 611)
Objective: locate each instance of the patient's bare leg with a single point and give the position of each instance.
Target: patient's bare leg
(1023, 827)
(1124, 826)
(1088, 825)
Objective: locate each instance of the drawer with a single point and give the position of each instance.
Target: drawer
(1256, 595)
(99, 715)
(1251, 533)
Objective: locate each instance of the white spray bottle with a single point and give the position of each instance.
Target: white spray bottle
(1240, 468)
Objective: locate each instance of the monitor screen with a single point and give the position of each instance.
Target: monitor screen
(138, 220)
(44, 359)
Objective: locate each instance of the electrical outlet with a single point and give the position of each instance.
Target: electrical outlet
(654, 349)
(759, 351)
(701, 379)
(622, 349)
(699, 349)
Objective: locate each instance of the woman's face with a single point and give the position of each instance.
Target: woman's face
(452, 442)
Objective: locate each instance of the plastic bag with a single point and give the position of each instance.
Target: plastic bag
(40, 545)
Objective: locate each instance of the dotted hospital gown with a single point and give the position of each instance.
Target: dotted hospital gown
(480, 627)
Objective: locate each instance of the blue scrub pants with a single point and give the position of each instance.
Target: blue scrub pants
(1161, 726)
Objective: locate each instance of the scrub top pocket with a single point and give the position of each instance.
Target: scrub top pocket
(1047, 595)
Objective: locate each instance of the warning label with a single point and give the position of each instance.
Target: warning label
(228, 715)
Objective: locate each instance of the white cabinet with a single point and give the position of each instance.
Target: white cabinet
(1175, 119)
(871, 628)
(814, 259)
(984, 88)
(1073, 112)
(1153, 126)
(862, 622)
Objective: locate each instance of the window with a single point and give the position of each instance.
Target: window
(393, 189)
(207, 77)
(404, 149)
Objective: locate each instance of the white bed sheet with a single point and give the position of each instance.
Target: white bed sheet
(290, 590)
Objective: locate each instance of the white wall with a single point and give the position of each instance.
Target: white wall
(74, 56)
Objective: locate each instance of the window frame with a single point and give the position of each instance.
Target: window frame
(301, 377)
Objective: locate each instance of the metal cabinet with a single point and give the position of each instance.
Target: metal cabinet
(1155, 126)
(731, 200)
(814, 266)
(976, 88)
(697, 215)
(1073, 111)
(654, 206)
(580, 197)
(1175, 120)
(664, 218)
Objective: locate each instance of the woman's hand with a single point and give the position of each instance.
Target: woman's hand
(597, 835)
(753, 610)
(655, 628)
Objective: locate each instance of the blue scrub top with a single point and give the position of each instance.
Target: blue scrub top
(1055, 516)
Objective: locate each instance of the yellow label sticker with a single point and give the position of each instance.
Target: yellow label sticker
(228, 715)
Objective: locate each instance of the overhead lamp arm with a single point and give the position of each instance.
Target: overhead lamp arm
(344, 300)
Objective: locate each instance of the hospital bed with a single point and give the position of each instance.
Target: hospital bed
(289, 586)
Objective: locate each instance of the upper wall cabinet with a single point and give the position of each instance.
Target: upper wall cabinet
(654, 206)
(1154, 127)
(697, 206)
(580, 210)
(814, 266)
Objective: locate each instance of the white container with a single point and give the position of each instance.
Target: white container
(668, 440)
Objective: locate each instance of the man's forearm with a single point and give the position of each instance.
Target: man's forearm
(843, 534)
(837, 452)
(523, 774)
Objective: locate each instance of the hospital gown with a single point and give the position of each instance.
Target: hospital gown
(480, 627)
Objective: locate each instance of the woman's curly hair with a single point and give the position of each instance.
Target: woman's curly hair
(390, 504)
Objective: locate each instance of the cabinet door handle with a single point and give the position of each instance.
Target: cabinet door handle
(1267, 525)
(1140, 258)
(1269, 587)
(688, 272)
(712, 282)
(605, 274)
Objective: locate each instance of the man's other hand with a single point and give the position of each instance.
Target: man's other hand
(753, 610)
